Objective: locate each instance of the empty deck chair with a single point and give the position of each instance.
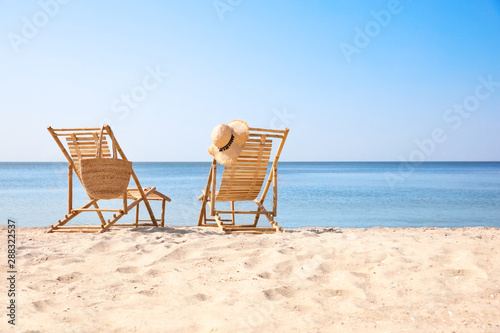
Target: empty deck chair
(81, 143)
(242, 180)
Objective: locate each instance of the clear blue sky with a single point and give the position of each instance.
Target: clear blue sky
(353, 80)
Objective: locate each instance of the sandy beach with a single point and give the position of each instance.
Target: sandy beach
(190, 279)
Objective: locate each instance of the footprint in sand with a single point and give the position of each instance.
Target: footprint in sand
(71, 277)
(464, 273)
(43, 305)
(327, 267)
(153, 273)
(284, 268)
(35, 259)
(127, 270)
(42, 285)
(176, 254)
(100, 247)
(148, 292)
(278, 293)
(251, 262)
(287, 250)
(68, 261)
(201, 297)
(335, 293)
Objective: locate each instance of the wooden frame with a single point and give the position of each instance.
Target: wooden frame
(244, 180)
(82, 143)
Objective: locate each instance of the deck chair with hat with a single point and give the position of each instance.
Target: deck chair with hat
(245, 154)
(98, 161)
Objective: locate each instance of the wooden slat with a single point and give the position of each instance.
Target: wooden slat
(97, 210)
(133, 224)
(248, 178)
(92, 155)
(256, 175)
(241, 183)
(88, 148)
(256, 142)
(240, 212)
(74, 230)
(239, 186)
(76, 129)
(237, 197)
(248, 174)
(268, 135)
(235, 194)
(245, 166)
(81, 227)
(253, 155)
(250, 228)
(257, 129)
(255, 146)
(252, 175)
(243, 180)
(240, 192)
(238, 189)
(251, 162)
(86, 143)
(86, 140)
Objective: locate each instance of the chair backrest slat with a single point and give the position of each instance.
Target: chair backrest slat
(242, 180)
(84, 145)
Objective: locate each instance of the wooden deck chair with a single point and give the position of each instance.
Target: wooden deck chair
(82, 143)
(243, 181)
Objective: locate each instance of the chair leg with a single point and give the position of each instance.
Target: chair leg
(268, 214)
(202, 220)
(150, 210)
(110, 223)
(101, 217)
(203, 212)
(219, 223)
(257, 217)
(163, 212)
(233, 218)
(137, 216)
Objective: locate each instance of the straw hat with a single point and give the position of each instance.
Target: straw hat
(228, 141)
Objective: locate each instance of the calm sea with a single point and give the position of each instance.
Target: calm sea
(310, 194)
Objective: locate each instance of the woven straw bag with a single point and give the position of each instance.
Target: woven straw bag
(105, 178)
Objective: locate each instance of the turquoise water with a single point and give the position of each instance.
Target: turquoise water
(310, 194)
